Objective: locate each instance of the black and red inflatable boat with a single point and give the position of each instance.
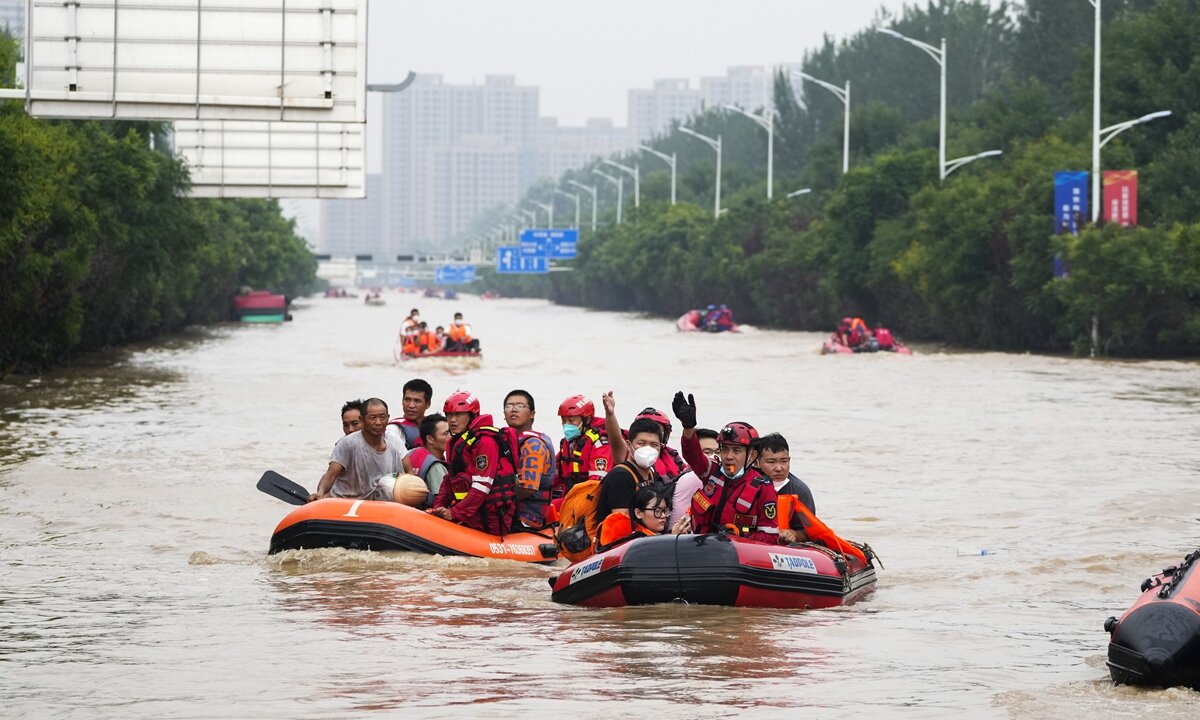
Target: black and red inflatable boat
(715, 570)
(1157, 641)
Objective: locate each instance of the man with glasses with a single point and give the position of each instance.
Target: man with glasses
(361, 457)
(735, 496)
(535, 477)
(688, 484)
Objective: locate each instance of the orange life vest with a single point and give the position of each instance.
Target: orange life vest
(618, 526)
(460, 333)
(815, 529)
(859, 324)
(428, 342)
(411, 346)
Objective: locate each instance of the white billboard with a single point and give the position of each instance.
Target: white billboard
(238, 158)
(291, 60)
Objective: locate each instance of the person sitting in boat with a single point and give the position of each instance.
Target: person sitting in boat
(428, 461)
(724, 321)
(361, 457)
(708, 318)
(427, 341)
(776, 462)
(460, 336)
(883, 337)
(687, 484)
(413, 319)
(647, 513)
(409, 342)
(535, 476)
(622, 481)
(442, 338)
(859, 333)
(669, 465)
(352, 414)
(406, 430)
(736, 496)
(479, 490)
(584, 453)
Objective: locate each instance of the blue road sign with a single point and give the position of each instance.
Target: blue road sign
(454, 274)
(509, 260)
(558, 244)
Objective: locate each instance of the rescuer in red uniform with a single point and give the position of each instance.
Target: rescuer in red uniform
(479, 489)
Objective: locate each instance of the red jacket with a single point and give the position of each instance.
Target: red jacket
(487, 479)
(747, 503)
(587, 457)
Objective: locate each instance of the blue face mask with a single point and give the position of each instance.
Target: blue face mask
(570, 432)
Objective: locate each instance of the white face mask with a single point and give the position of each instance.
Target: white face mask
(645, 456)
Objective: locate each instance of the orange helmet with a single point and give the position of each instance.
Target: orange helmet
(576, 406)
(461, 401)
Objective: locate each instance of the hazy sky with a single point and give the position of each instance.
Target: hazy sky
(585, 56)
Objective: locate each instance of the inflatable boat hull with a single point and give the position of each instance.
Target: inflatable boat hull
(833, 346)
(1156, 642)
(713, 570)
(375, 525)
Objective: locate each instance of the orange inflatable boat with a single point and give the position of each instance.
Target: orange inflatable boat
(377, 525)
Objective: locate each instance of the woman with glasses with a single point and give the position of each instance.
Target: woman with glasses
(648, 513)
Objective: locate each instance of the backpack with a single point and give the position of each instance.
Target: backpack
(577, 520)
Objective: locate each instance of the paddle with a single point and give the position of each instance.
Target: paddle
(276, 485)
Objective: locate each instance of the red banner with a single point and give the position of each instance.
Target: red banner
(1120, 197)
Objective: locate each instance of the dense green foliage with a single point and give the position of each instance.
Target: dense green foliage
(99, 247)
(967, 261)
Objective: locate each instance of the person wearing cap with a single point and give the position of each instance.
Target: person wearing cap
(479, 489)
(584, 453)
(735, 496)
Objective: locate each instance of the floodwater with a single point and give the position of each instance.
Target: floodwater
(134, 581)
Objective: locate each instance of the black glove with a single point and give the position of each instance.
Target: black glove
(685, 410)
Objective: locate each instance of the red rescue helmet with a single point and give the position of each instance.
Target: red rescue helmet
(461, 401)
(576, 406)
(847, 321)
(738, 433)
(656, 416)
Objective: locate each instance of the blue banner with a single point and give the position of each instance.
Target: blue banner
(1070, 202)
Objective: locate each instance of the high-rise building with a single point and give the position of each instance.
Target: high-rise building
(747, 86)
(432, 132)
(651, 111)
(562, 148)
(349, 227)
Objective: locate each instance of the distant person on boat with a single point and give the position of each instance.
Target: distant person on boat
(442, 338)
(406, 430)
(460, 336)
(427, 340)
(776, 463)
(724, 320)
(479, 491)
(535, 476)
(360, 458)
(736, 496)
(584, 453)
(352, 416)
(411, 322)
(428, 462)
(688, 484)
(647, 514)
(708, 318)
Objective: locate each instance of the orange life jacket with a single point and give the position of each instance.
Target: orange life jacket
(411, 346)
(816, 530)
(859, 324)
(618, 526)
(428, 341)
(460, 333)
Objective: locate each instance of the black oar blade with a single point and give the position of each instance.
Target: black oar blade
(277, 486)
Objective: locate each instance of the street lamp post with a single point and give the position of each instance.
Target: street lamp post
(844, 96)
(620, 183)
(767, 122)
(669, 160)
(531, 215)
(1096, 131)
(633, 172)
(956, 163)
(549, 208)
(798, 193)
(715, 144)
(590, 190)
(939, 56)
(575, 197)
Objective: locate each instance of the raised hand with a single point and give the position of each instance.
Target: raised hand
(610, 403)
(684, 409)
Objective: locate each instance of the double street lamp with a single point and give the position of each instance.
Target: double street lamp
(767, 122)
(715, 144)
(844, 96)
(634, 173)
(620, 183)
(590, 190)
(939, 56)
(670, 160)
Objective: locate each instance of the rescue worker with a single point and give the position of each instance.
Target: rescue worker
(724, 319)
(352, 413)
(460, 336)
(687, 484)
(428, 461)
(535, 476)
(776, 463)
(479, 488)
(646, 514)
(418, 396)
(736, 496)
(584, 452)
(709, 321)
